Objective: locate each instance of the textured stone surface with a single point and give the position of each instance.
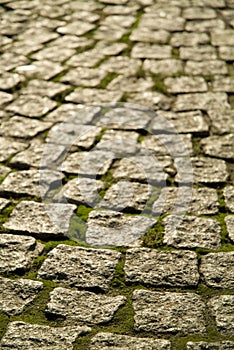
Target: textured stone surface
(80, 267)
(103, 341)
(84, 77)
(223, 345)
(15, 295)
(192, 232)
(121, 143)
(41, 219)
(221, 120)
(165, 67)
(229, 220)
(204, 101)
(158, 268)
(83, 307)
(217, 269)
(10, 147)
(71, 113)
(17, 252)
(23, 336)
(228, 193)
(106, 227)
(168, 312)
(222, 308)
(219, 147)
(93, 96)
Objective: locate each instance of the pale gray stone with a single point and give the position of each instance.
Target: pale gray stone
(71, 113)
(115, 20)
(204, 101)
(152, 20)
(142, 50)
(125, 118)
(229, 220)
(23, 127)
(226, 53)
(37, 35)
(111, 49)
(206, 67)
(192, 232)
(40, 69)
(206, 25)
(145, 34)
(109, 33)
(93, 96)
(150, 99)
(121, 65)
(10, 60)
(80, 267)
(158, 268)
(10, 147)
(72, 41)
(44, 88)
(54, 53)
(18, 252)
(165, 67)
(82, 190)
(84, 77)
(221, 83)
(167, 312)
(111, 341)
(5, 98)
(16, 295)
(126, 195)
(223, 345)
(10, 80)
(184, 122)
(221, 120)
(81, 307)
(217, 269)
(219, 146)
(96, 162)
(198, 53)
(203, 201)
(87, 59)
(189, 39)
(76, 28)
(199, 13)
(130, 84)
(222, 38)
(124, 10)
(24, 336)
(111, 228)
(222, 308)
(185, 84)
(41, 219)
(122, 143)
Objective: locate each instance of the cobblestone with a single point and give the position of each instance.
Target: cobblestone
(224, 345)
(222, 309)
(79, 267)
(219, 147)
(229, 223)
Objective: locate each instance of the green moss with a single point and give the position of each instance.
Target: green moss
(77, 229)
(4, 320)
(153, 238)
(108, 78)
(159, 84)
(83, 212)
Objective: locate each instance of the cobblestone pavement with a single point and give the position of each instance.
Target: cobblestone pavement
(116, 174)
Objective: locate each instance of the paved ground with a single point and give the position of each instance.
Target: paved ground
(137, 98)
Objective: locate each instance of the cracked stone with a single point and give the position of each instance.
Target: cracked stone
(165, 67)
(32, 106)
(189, 39)
(82, 191)
(83, 307)
(10, 80)
(151, 51)
(40, 69)
(41, 219)
(145, 34)
(121, 65)
(223, 84)
(10, 147)
(106, 227)
(142, 168)
(18, 252)
(5, 98)
(198, 53)
(204, 101)
(126, 195)
(223, 345)
(207, 67)
(125, 118)
(71, 113)
(77, 28)
(80, 267)
(113, 341)
(16, 295)
(221, 120)
(185, 84)
(192, 232)
(130, 84)
(23, 336)
(228, 193)
(93, 96)
(88, 163)
(229, 220)
(203, 201)
(23, 127)
(217, 270)
(205, 25)
(168, 312)
(219, 146)
(222, 307)
(184, 122)
(155, 268)
(84, 77)
(44, 88)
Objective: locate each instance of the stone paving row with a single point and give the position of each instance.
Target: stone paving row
(116, 174)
